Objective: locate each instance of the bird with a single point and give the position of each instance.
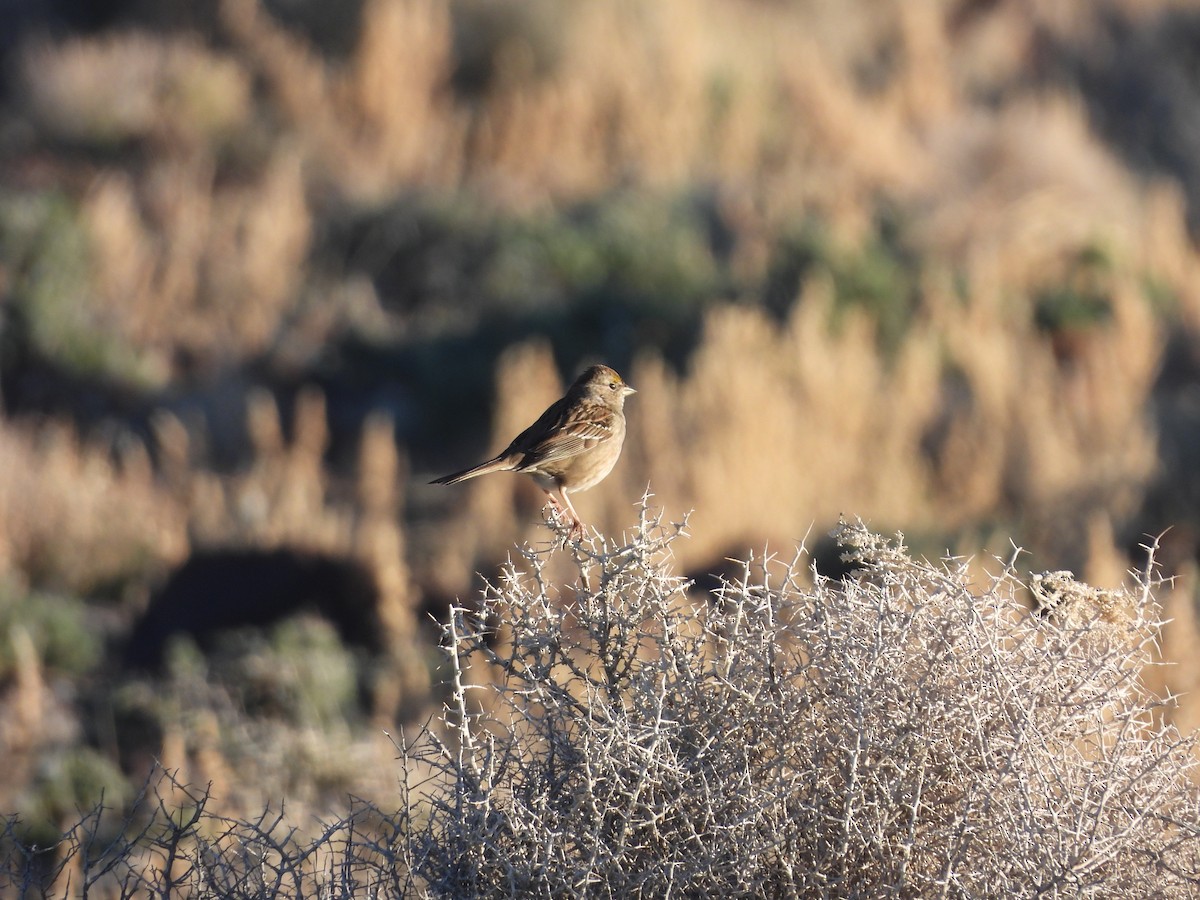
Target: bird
(572, 446)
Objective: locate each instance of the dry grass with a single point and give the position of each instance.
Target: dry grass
(74, 519)
(285, 499)
(130, 86)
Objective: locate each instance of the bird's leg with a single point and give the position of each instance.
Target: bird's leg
(576, 522)
(561, 506)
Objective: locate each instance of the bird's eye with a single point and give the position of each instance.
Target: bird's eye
(612, 385)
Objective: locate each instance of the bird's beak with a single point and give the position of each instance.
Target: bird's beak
(629, 390)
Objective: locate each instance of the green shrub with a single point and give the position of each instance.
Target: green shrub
(297, 673)
(66, 783)
(301, 673)
(880, 277)
(78, 779)
(45, 246)
(1081, 300)
(1066, 308)
(58, 627)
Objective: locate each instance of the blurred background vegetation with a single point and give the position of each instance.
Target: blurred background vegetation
(267, 266)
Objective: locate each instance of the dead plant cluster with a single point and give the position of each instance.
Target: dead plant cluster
(902, 732)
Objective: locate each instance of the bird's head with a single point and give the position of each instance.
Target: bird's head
(605, 384)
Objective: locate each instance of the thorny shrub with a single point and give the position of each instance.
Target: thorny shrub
(900, 732)
(904, 731)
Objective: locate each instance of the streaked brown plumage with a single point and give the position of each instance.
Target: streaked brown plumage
(572, 446)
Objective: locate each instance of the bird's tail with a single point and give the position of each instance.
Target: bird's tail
(498, 464)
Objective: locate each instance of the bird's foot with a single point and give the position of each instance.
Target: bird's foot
(560, 516)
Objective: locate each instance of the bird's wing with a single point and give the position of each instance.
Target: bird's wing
(547, 422)
(565, 434)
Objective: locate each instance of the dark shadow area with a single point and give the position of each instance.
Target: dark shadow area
(1141, 82)
(219, 590)
(1172, 505)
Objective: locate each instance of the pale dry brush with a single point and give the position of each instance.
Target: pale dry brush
(172, 844)
(903, 732)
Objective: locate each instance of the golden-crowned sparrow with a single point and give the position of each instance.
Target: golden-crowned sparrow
(572, 446)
